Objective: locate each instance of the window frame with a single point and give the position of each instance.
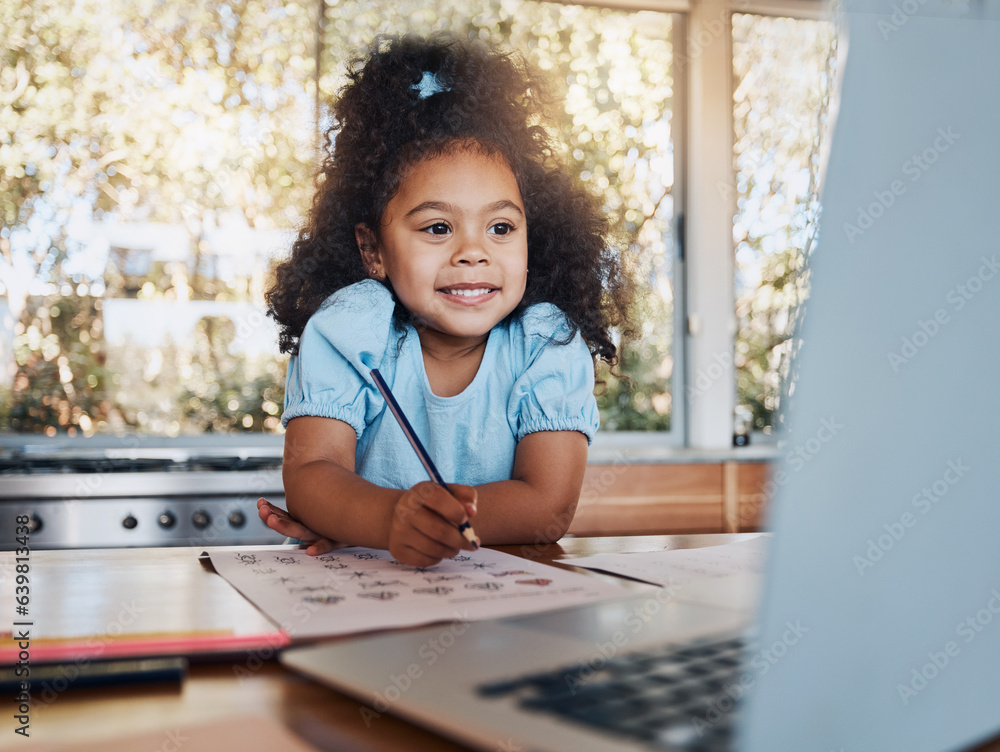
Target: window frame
(705, 302)
(711, 315)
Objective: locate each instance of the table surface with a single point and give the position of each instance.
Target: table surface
(249, 696)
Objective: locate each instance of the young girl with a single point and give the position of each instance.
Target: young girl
(449, 248)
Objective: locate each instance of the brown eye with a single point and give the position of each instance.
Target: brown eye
(438, 228)
(501, 228)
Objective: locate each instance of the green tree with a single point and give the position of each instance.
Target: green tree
(783, 70)
(136, 110)
(204, 116)
(189, 114)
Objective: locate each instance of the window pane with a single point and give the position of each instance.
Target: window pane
(782, 75)
(152, 154)
(155, 157)
(618, 75)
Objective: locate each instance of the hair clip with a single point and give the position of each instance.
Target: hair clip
(429, 85)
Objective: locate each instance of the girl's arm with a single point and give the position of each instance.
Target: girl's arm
(418, 525)
(325, 495)
(323, 491)
(538, 503)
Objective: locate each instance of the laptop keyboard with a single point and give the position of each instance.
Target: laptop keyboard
(678, 697)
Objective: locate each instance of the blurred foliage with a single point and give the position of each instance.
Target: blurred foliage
(198, 386)
(156, 111)
(133, 111)
(783, 71)
(639, 396)
(202, 116)
(192, 115)
(62, 376)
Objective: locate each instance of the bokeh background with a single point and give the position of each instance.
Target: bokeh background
(156, 157)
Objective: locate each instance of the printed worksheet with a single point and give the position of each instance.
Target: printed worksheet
(681, 565)
(358, 589)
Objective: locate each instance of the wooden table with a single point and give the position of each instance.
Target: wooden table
(253, 686)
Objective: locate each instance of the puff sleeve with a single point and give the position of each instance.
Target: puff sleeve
(554, 382)
(347, 337)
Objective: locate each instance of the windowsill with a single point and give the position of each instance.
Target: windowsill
(649, 447)
(633, 447)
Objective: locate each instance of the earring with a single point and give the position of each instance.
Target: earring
(370, 269)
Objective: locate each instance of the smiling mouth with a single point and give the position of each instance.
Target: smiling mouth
(468, 292)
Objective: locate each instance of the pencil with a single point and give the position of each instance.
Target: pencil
(425, 459)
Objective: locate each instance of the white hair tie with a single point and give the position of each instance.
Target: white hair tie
(429, 85)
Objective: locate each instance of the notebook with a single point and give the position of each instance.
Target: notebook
(879, 624)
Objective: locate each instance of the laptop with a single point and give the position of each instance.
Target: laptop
(878, 627)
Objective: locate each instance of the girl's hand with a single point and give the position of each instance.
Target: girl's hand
(280, 521)
(425, 523)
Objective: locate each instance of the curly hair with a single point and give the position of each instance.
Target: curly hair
(386, 120)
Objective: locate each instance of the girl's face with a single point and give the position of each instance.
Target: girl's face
(454, 245)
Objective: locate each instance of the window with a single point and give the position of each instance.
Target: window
(782, 71)
(153, 157)
(156, 158)
(160, 157)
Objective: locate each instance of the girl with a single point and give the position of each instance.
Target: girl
(447, 247)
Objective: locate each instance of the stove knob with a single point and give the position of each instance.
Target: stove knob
(201, 519)
(129, 522)
(34, 523)
(167, 520)
(236, 518)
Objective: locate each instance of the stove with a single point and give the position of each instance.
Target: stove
(141, 496)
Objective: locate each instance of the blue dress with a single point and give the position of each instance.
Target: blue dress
(526, 382)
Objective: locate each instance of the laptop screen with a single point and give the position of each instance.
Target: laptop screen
(885, 552)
